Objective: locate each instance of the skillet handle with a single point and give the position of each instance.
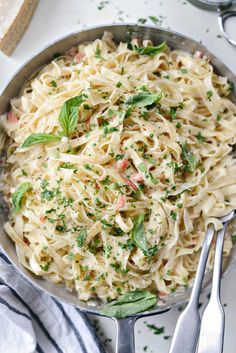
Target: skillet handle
(125, 335)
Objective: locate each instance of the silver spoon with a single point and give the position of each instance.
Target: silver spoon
(188, 326)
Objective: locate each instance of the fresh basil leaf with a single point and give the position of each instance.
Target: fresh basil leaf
(150, 50)
(34, 139)
(17, 197)
(69, 114)
(128, 112)
(129, 304)
(143, 99)
(139, 238)
(189, 157)
(132, 297)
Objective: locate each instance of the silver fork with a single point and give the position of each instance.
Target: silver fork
(211, 337)
(188, 326)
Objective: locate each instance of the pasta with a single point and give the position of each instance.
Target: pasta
(119, 157)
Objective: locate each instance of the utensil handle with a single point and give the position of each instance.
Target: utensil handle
(211, 338)
(197, 285)
(125, 335)
(188, 326)
(216, 279)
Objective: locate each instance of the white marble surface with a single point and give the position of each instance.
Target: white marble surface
(54, 18)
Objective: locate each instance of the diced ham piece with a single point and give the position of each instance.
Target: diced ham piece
(12, 118)
(78, 57)
(130, 183)
(120, 201)
(87, 123)
(26, 241)
(137, 177)
(198, 54)
(72, 52)
(116, 121)
(122, 164)
(42, 219)
(162, 294)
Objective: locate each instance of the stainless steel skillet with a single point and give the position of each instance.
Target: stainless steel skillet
(125, 341)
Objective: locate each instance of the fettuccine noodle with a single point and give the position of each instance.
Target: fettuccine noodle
(166, 160)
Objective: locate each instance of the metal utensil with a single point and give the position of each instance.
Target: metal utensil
(222, 18)
(188, 326)
(125, 342)
(220, 6)
(212, 5)
(211, 337)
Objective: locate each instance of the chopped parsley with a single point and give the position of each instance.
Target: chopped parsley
(178, 125)
(107, 250)
(173, 111)
(110, 130)
(141, 20)
(200, 138)
(231, 87)
(189, 158)
(233, 238)
(24, 172)
(81, 237)
(106, 181)
(98, 54)
(119, 156)
(183, 71)
(156, 330)
(103, 4)
(45, 267)
(119, 84)
(156, 21)
(209, 95)
(47, 195)
(87, 166)
(129, 245)
(142, 167)
(53, 83)
(118, 268)
(174, 165)
(153, 179)
(67, 166)
(173, 215)
(71, 256)
(44, 184)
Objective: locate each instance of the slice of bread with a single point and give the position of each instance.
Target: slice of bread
(15, 16)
